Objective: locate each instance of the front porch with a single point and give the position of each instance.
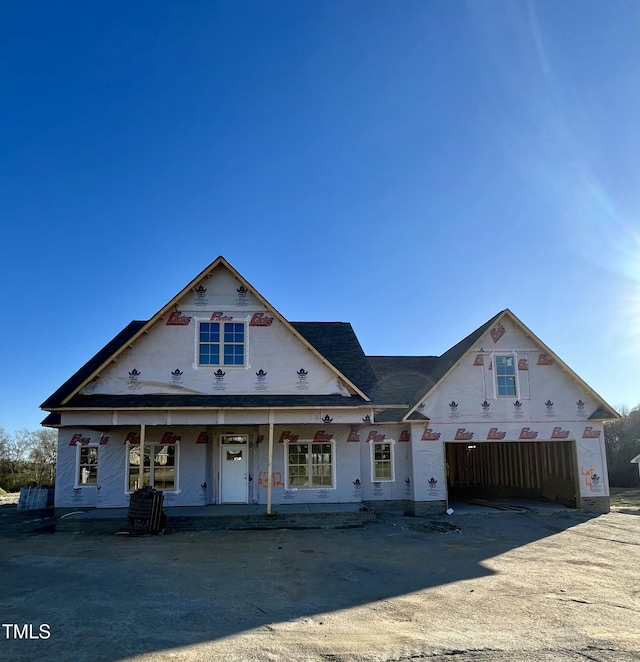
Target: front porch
(223, 516)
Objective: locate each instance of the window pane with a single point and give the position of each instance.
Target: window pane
(383, 470)
(505, 365)
(506, 386)
(134, 467)
(310, 465)
(209, 332)
(88, 466)
(234, 439)
(209, 354)
(234, 354)
(382, 462)
(164, 460)
(233, 332)
(164, 478)
(505, 376)
(89, 455)
(298, 465)
(298, 476)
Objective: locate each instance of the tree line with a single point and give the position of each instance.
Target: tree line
(622, 439)
(27, 458)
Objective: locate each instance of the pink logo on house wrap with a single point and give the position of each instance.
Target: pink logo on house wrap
(260, 319)
(497, 333)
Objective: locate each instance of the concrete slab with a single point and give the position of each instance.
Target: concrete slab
(484, 506)
(219, 510)
(231, 516)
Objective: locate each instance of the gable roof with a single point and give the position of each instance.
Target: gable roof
(447, 362)
(136, 329)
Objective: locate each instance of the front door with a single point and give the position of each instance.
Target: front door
(234, 470)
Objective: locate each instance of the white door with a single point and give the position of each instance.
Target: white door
(234, 470)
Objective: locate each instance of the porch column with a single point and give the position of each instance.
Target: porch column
(141, 472)
(270, 466)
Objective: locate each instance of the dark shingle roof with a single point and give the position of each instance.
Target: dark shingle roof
(337, 342)
(164, 401)
(401, 379)
(453, 355)
(55, 399)
(407, 379)
(602, 414)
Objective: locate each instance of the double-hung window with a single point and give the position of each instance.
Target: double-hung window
(382, 462)
(310, 465)
(159, 466)
(221, 343)
(87, 466)
(505, 375)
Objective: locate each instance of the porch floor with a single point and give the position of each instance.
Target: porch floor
(223, 516)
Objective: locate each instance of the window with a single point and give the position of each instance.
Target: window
(221, 343)
(506, 375)
(309, 465)
(159, 471)
(87, 473)
(234, 439)
(382, 462)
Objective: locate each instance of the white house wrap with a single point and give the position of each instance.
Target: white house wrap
(192, 401)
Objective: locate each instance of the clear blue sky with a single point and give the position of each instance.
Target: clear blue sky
(410, 166)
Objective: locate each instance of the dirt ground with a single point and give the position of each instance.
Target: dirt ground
(503, 586)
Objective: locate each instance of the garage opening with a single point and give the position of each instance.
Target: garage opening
(524, 469)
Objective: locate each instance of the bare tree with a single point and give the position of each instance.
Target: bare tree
(4, 442)
(4, 455)
(27, 457)
(42, 454)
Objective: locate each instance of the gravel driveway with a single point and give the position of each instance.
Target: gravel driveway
(503, 586)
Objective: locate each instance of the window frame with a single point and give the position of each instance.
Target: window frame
(222, 344)
(79, 464)
(496, 385)
(152, 467)
(309, 464)
(392, 461)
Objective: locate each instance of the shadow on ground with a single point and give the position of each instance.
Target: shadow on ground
(110, 597)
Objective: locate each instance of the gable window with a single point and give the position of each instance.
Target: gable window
(159, 470)
(382, 462)
(87, 466)
(505, 375)
(221, 343)
(309, 465)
